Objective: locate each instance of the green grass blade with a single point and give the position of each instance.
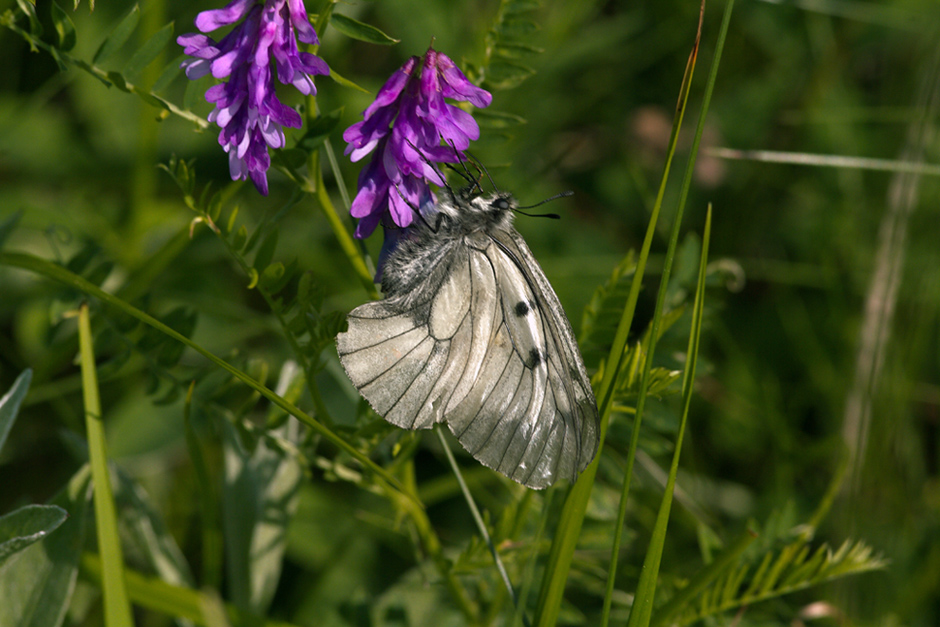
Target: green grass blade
(58, 273)
(642, 610)
(654, 329)
(727, 560)
(117, 608)
(176, 601)
(572, 516)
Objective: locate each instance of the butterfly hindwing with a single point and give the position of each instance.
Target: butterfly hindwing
(480, 342)
(558, 431)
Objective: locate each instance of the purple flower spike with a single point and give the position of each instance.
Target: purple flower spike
(247, 110)
(404, 128)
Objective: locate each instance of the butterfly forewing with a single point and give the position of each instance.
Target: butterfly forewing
(480, 342)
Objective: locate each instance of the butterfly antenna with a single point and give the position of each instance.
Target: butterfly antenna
(462, 159)
(414, 209)
(553, 216)
(434, 167)
(482, 167)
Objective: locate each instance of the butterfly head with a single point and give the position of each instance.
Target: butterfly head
(469, 211)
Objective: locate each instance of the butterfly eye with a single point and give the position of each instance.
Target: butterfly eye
(500, 204)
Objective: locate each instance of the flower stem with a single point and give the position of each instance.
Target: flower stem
(479, 520)
(345, 240)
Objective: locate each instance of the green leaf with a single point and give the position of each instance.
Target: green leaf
(60, 274)
(272, 276)
(37, 583)
(240, 238)
(26, 525)
(195, 92)
(265, 253)
(64, 28)
(9, 225)
(259, 499)
(514, 50)
(521, 6)
(183, 319)
(169, 73)
(726, 595)
(355, 29)
(558, 566)
(80, 260)
(35, 25)
(176, 601)
(512, 28)
(602, 314)
(725, 564)
(505, 74)
(497, 120)
(117, 79)
(642, 610)
(230, 224)
(10, 404)
(100, 273)
(118, 37)
(345, 82)
(154, 101)
(319, 130)
(143, 525)
(146, 54)
(253, 239)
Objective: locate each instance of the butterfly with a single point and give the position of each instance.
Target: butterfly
(471, 333)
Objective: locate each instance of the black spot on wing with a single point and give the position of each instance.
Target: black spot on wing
(534, 359)
(522, 308)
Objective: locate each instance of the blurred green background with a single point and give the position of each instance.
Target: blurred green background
(825, 349)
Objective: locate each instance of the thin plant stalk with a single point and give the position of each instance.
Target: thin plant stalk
(345, 240)
(479, 521)
(529, 576)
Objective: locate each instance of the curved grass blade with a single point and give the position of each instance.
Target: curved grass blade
(726, 561)
(643, 602)
(184, 603)
(642, 609)
(572, 516)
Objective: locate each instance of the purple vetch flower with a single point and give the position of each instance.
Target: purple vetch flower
(404, 128)
(247, 110)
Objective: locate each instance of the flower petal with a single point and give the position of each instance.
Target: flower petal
(217, 18)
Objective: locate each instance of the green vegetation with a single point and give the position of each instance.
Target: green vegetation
(749, 261)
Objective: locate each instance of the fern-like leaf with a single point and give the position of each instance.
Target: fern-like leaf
(796, 566)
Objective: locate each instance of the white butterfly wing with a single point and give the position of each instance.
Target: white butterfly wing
(490, 352)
